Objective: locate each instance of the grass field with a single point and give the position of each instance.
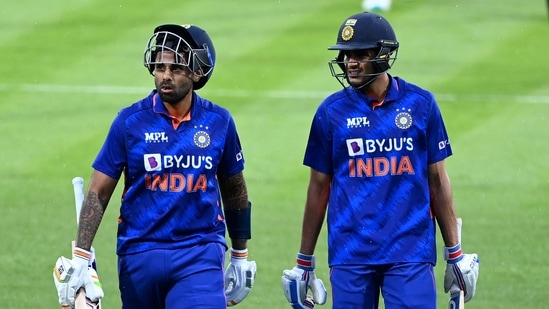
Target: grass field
(67, 67)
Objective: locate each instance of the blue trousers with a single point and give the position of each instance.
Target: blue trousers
(189, 278)
(403, 285)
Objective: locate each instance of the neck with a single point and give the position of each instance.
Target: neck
(378, 88)
(180, 109)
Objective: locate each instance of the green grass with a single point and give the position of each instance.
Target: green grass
(67, 68)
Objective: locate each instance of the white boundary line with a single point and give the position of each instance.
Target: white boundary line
(319, 95)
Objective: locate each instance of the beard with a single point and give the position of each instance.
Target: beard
(171, 93)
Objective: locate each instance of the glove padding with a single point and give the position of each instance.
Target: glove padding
(70, 275)
(239, 277)
(462, 271)
(298, 280)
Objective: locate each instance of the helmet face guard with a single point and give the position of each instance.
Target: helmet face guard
(191, 47)
(365, 31)
(383, 61)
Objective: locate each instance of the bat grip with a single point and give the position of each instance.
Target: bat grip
(459, 222)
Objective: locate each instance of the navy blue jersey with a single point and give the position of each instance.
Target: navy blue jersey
(378, 154)
(171, 197)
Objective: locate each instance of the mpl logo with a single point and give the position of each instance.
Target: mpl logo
(152, 162)
(358, 122)
(156, 137)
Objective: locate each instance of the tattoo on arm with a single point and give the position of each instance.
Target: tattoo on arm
(234, 192)
(90, 218)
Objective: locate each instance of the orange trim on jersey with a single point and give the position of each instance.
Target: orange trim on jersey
(176, 121)
(377, 104)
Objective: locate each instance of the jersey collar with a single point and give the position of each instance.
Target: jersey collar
(159, 108)
(392, 94)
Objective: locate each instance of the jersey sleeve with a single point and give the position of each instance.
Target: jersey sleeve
(232, 159)
(437, 138)
(111, 159)
(318, 153)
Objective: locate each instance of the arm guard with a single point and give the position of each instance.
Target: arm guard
(239, 222)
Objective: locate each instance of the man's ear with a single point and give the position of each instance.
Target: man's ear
(197, 75)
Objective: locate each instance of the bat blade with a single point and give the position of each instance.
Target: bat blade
(457, 298)
(81, 302)
(78, 188)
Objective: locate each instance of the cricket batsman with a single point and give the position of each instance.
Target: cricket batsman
(376, 152)
(183, 189)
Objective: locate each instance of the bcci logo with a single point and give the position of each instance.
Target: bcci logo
(201, 139)
(403, 120)
(347, 33)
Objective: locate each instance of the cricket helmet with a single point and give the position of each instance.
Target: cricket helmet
(366, 31)
(191, 46)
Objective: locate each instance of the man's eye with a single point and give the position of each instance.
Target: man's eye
(177, 68)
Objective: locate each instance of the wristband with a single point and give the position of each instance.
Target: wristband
(81, 256)
(239, 254)
(453, 254)
(239, 257)
(305, 262)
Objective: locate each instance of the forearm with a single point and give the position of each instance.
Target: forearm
(312, 224)
(234, 194)
(318, 194)
(445, 215)
(442, 204)
(90, 219)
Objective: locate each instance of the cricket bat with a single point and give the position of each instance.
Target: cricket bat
(456, 294)
(81, 302)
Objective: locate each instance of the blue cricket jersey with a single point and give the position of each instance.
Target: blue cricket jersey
(379, 207)
(171, 197)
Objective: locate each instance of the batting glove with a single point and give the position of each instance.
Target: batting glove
(239, 277)
(298, 280)
(461, 271)
(70, 275)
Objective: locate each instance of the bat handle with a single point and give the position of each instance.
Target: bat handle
(456, 294)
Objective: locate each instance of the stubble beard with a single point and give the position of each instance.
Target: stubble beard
(177, 95)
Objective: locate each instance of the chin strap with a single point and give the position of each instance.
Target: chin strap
(366, 83)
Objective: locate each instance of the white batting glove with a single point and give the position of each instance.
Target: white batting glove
(70, 275)
(461, 271)
(239, 277)
(93, 287)
(298, 280)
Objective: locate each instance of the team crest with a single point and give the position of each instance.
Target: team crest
(201, 139)
(403, 120)
(347, 33)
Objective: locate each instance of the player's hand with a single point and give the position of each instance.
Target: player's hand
(239, 277)
(93, 287)
(461, 270)
(298, 280)
(70, 275)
